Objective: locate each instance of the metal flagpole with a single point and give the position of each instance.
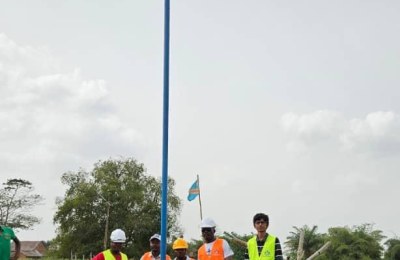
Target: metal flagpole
(201, 210)
(164, 189)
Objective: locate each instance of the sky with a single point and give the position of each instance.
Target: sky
(290, 108)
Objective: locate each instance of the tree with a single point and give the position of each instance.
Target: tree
(393, 249)
(312, 241)
(134, 201)
(238, 244)
(16, 202)
(194, 246)
(359, 242)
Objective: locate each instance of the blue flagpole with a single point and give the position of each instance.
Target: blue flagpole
(164, 188)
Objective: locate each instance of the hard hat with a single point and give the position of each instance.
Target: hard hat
(118, 236)
(180, 243)
(208, 223)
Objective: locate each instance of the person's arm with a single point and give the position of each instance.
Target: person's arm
(17, 248)
(228, 252)
(278, 250)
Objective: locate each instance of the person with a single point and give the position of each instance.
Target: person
(154, 253)
(180, 247)
(117, 239)
(6, 235)
(213, 248)
(263, 246)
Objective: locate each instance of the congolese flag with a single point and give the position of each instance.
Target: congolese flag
(194, 191)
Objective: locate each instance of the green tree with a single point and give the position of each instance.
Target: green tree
(393, 249)
(360, 242)
(134, 201)
(237, 243)
(312, 241)
(194, 246)
(16, 202)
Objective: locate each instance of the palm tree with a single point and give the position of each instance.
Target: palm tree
(311, 243)
(393, 249)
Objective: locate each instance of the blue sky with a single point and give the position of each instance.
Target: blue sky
(288, 108)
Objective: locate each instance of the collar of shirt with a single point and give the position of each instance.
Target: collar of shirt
(262, 240)
(154, 257)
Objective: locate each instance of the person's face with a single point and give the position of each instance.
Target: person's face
(208, 234)
(260, 225)
(116, 247)
(155, 246)
(180, 253)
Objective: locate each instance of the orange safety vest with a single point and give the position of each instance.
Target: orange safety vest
(149, 256)
(217, 251)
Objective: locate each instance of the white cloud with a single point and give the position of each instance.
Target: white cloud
(18, 62)
(377, 133)
(54, 113)
(53, 121)
(319, 124)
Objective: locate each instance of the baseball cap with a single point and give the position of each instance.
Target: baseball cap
(155, 236)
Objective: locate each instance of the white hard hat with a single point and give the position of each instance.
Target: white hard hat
(118, 236)
(208, 223)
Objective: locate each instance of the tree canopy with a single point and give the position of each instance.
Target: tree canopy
(16, 202)
(358, 242)
(312, 241)
(134, 202)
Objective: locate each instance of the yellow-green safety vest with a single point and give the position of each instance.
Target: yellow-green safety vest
(268, 251)
(109, 256)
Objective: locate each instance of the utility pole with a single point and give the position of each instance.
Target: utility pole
(107, 217)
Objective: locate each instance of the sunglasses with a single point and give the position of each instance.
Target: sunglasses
(206, 229)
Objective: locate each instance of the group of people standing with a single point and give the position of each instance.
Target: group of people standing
(262, 246)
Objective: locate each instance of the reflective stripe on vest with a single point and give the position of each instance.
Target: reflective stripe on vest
(217, 251)
(109, 256)
(268, 251)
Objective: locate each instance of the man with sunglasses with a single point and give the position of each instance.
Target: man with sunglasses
(213, 248)
(263, 246)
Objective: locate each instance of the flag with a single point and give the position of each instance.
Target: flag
(194, 191)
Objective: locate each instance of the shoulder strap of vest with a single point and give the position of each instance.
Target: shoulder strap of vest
(270, 236)
(252, 240)
(218, 241)
(109, 254)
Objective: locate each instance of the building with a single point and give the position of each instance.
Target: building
(31, 249)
